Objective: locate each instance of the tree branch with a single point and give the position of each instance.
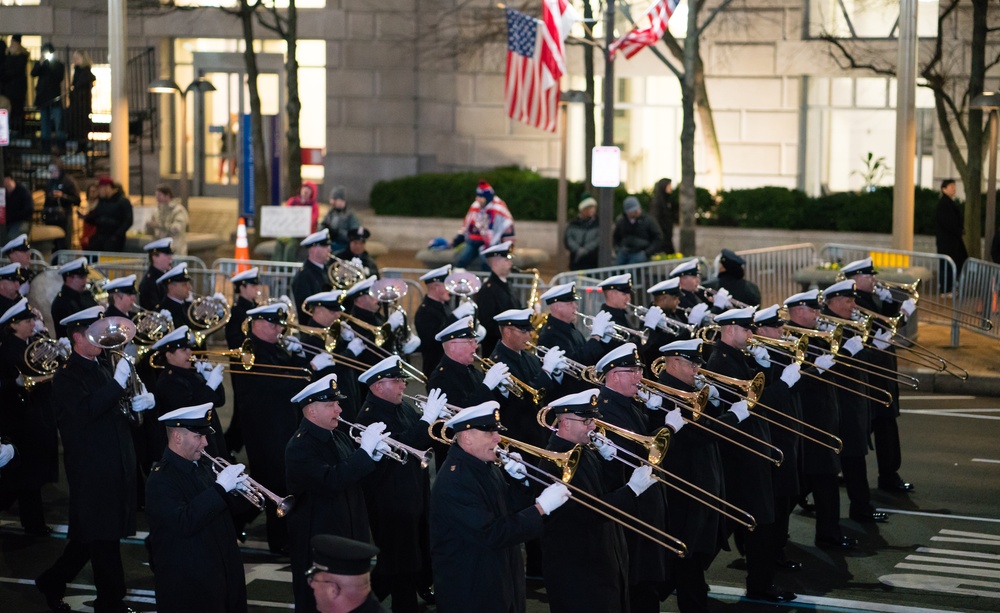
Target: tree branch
(715, 12)
(852, 61)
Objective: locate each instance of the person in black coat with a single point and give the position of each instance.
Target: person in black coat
(81, 98)
(949, 230)
(587, 574)
(365, 309)
(112, 217)
(74, 296)
(195, 557)
(496, 295)
(100, 467)
(312, 278)
(732, 279)
(324, 471)
(688, 275)
(663, 323)
(15, 81)
(456, 376)
(20, 208)
(617, 291)
(50, 90)
(62, 197)
(432, 316)
(18, 251)
(161, 259)
(340, 575)
(748, 476)
(176, 285)
(560, 330)
(10, 286)
(398, 495)
(247, 289)
(325, 309)
(357, 237)
(636, 237)
(478, 519)
(663, 210)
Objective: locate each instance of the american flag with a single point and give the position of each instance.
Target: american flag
(636, 39)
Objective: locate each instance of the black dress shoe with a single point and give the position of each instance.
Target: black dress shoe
(427, 595)
(875, 517)
(895, 486)
(771, 594)
(52, 599)
(786, 564)
(42, 530)
(843, 542)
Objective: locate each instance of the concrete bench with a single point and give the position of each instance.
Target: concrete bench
(43, 238)
(523, 257)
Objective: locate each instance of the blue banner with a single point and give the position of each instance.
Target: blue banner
(275, 125)
(246, 166)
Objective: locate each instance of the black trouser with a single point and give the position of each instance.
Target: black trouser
(761, 551)
(644, 597)
(783, 506)
(692, 590)
(888, 454)
(856, 481)
(105, 559)
(234, 434)
(29, 506)
(826, 499)
(402, 587)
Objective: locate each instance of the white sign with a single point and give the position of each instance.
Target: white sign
(290, 221)
(4, 128)
(606, 167)
(140, 216)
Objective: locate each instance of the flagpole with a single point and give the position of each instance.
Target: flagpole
(606, 208)
(561, 197)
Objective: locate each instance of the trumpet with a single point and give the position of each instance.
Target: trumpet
(710, 293)
(516, 387)
(257, 494)
(573, 368)
(398, 452)
(666, 324)
(619, 333)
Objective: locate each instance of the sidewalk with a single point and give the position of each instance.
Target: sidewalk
(976, 353)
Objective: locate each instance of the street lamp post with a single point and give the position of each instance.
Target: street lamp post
(169, 86)
(990, 101)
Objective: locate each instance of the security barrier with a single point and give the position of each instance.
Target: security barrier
(773, 269)
(976, 292)
(98, 257)
(644, 276)
(275, 276)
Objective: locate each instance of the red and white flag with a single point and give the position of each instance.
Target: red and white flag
(633, 42)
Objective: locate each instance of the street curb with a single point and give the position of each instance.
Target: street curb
(942, 383)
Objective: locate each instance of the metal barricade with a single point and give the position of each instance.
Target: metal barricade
(977, 292)
(97, 257)
(520, 284)
(773, 269)
(644, 276)
(275, 276)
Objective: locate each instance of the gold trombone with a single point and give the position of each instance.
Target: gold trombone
(516, 387)
(355, 364)
(245, 355)
(257, 494)
(903, 291)
(382, 333)
(398, 452)
(891, 324)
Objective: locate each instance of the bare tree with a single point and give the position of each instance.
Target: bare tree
(287, 27)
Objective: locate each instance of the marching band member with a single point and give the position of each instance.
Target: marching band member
(885, 430)
(647, 572)
(73, 297)
(731, 278)
(161, 259)
(324, 471)
(496, 296)
(355, 252)
(432, 316)
(312, 278)
(326, 308)
(479, 519)
(617, 292)
(195, 557)
(689, 277)
(560, 327)
(666, 297)
(456, 376)
(820, 465)
(365, 308)
(121, 297)
(398, 495)
(18, 251)
(855, 411)
(10, 285)
(340, 575)
(247, 289)
(176, 286)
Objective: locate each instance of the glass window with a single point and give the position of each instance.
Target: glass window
(867, 19)
(870, 92)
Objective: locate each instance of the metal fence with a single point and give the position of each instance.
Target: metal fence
(976, 293)
(275, 276)
(520, 284)
(141, 260)
(773, 269)
(644, 276)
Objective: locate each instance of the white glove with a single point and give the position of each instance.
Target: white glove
(203, 367)
(791, 374)
(554, 361)
(761, 355)
(372, 436)
(357, 346)
(165, 313)
(464, 310)
(674, 420)
(214, 378)
(552, 497)
(396, 319)
(434, 405)
(321, 361)
(19, 381)
(288, 301)
(641, 479)
(357, 263)
(220, 297)
(122, 372)
(381, 449)
(6, 453)
(229, 476)
(242, 485)
(293, 345)
(38, 327)
(514, 467)
(64, 342)
(881, 340)
(604, 446)
(853, 345)
(824, 362)
(496, 375)
(908, 307)
(713, 392)
(652, 401)
(143, 402)
(480, 333)
(601, 324)
(884, 294)
(697, 314)
(653, 317)
(721, 300)
(411, 345)
(346, 332)
(740, 409)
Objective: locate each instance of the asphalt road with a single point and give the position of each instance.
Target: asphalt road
(940, 549)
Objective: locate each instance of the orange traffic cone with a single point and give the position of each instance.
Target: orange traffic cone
(242, 246)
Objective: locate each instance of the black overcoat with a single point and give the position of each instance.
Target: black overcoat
(463, 384)
(818, 401)
(518, 414)
(67, 302)
(495, 297)
(311, 279)
(151, 293)
(26, 419)
(184, 387)
(431, 318)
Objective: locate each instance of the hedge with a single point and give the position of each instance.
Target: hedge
(533, 197)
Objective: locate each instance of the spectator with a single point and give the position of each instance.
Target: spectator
(487, 224)
(169, 221)
(50, 92)
(81, 98)
(339, 220)
(20, 208)
(14, 75)
(286, 249)
(661, 209)
(636, 236)
(61, 197)
(583, 236)
(111, 218)
(950, 228)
